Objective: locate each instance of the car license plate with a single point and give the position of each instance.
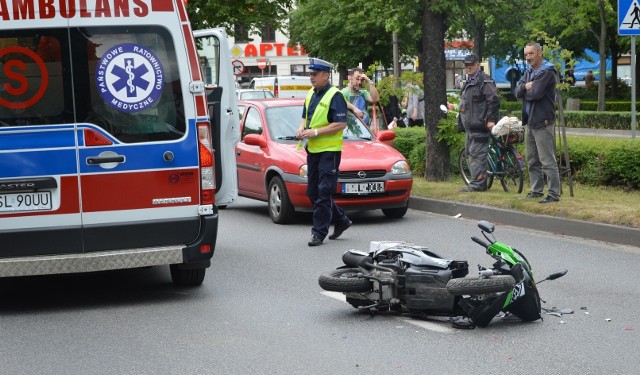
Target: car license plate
(10, 202)
(363, 188)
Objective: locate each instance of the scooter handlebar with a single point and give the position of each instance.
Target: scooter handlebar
(480, 242)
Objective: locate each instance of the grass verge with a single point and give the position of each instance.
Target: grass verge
(598, 204)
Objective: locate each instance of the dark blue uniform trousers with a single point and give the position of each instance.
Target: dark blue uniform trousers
(322, 176)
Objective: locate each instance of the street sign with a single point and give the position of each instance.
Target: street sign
(262, 63)
(238, 67)
(628, 17)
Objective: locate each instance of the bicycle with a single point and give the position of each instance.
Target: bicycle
(504, 163)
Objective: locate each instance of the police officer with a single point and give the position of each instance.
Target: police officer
(479, 106)
(324, 116)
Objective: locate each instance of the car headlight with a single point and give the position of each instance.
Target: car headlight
(302, 172)
(400, 167)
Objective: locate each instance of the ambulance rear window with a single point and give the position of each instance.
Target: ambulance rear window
(124, 80)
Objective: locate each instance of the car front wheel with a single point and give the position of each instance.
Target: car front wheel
(280, 207)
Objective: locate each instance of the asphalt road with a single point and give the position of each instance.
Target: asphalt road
(261, 311)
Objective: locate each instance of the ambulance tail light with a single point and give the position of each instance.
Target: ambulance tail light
(207, 179)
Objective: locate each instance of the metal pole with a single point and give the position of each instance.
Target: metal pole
(396, 57)
(633, 87)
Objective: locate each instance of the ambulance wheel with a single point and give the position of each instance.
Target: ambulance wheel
(186, 277)
(280, 207)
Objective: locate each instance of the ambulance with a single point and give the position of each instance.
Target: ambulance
(117, 133)
(283, 86)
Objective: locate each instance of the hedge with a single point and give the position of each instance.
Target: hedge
(594, 161)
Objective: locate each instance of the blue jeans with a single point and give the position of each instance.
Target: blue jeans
(541, 158)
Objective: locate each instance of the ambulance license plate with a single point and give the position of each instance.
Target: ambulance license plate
(11, 202)
(363, 188)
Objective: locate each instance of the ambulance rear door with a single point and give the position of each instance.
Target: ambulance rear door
(217, 70)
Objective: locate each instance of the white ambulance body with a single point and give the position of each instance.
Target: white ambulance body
(283, 86)
(112, 154)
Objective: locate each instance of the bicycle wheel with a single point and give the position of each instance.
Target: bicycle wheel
(512, 173)
(465, 173)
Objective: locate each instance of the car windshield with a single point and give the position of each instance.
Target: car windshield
(258, 94)
(282, 123)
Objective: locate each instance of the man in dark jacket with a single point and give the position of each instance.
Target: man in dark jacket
(537, 88)
(479, 106)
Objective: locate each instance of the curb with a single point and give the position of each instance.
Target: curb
(568, 227)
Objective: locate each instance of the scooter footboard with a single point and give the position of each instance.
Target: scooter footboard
(426, 288)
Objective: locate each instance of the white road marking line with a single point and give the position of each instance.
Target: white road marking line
(430, 326)
(335, 295)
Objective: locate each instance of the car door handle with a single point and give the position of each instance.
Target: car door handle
(92, 160)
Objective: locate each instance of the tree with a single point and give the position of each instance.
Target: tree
(577, 25)
(433, 61)
(251, 14)
(351, 32)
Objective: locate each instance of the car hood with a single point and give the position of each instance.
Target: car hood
(357, 155)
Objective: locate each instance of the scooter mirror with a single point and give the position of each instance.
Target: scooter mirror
(486, 226)
(557, 274)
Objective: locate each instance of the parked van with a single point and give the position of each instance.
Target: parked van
(112, 155)
(283, 86)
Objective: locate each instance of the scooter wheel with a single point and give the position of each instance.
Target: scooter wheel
(344, 280)
(480, 285)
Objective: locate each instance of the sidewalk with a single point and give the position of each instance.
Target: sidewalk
(568, 227)
(608, 133)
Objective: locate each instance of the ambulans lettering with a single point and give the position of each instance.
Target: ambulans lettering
(130, 77)
(45, 9)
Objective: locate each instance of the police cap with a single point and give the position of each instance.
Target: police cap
(318, 65)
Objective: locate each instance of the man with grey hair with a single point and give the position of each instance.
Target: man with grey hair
(537, 89)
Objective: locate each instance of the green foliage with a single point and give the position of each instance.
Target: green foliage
(511, 106)
(411, 142)
(599, 161)
(448, 132)
(418, 158)
(228, 13)
(621, 166)
(594, 161)
(350, 32)
(609, 106)
(598, 120)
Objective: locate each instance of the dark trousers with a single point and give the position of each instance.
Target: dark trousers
(417, 122)
(322, 176)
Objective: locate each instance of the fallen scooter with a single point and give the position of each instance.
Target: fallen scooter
(408, 279)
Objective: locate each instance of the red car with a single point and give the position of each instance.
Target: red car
(373, 175)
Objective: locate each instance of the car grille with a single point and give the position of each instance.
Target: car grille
(362, 174)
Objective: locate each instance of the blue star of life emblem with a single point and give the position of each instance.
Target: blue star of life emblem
(130, 77)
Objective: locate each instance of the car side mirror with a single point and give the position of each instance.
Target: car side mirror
(386, 135)
(255, 140)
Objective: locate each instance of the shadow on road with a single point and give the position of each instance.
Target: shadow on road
(89, 290)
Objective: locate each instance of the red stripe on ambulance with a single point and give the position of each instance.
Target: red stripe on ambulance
(124, 191)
